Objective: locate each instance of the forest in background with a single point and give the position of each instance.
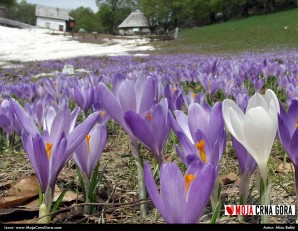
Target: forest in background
(163, 15)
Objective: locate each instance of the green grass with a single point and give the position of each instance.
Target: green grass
(255, 33)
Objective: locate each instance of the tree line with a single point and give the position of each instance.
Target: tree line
(162, 15)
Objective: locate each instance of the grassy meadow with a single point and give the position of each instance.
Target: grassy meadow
(272, 32)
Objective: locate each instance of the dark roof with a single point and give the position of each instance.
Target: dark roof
(52, 12)
(135, 19)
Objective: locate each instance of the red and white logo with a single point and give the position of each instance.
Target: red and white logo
(244, 210)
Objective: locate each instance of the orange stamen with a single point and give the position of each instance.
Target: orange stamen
(188, 179)
(174, 89)
(297, 123)
(102, 114)
(48, 149)
(88, 137)
(201, 147)
(149, 116)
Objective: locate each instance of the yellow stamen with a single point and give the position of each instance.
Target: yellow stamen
(193, 95)
(201, 147)
(188, 179)
(48, 149)
(174, 89)
(297, 123)
(88, 137)
(102, 114)
(149, 116)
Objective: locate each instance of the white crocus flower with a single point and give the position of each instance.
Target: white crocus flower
(256, 129)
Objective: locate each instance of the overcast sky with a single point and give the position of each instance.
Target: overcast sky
(67, 4)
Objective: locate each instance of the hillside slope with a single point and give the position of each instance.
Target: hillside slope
(257, 33)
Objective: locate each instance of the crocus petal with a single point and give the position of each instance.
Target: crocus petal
(244, 158)
(260, 134)
(153, 191)
(73, 117)
(42, 171)
(182, 121)
(187, 146)
(60, 123)
(80, 132)
(6, 124)
(97, 143)
(26, 121)
(172, 187)
(29, 149)
(257, 100)
(284, 134)
(140, 129)
(270, 96)
(111, 104)
(159, 123)
(199, 192)
(127, 97)
(194, 168)
(79, 97)
(81, 155)
(234, 118)
(59, 159)
(292, 116)
(216, 123)
(181, 154)
(147, 96)
(197, 118)
(49, 118)
(294, 148)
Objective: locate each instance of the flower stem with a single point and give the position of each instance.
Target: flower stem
(140, 172)
(87, 208)
(46, 206)
(264, 195)
(243, 190)
(216, 198)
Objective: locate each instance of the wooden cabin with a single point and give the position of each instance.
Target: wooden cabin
(54, 18)
(135, 24)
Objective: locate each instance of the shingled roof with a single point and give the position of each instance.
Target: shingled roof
(134, 20)
(52, 12)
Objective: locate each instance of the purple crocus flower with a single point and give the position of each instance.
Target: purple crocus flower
(98, 106)
(89, 151)
(181, 198)
(202, 137)
(247, 166)
(209, 122)
(174, 96)
(84, 96)
(152, 129)
(192, 97)
(48, 152)
(128, 96)
(258, 83)
(135, 96)
(288, 134)
(6, 117)
(292, 92)
(242, 100)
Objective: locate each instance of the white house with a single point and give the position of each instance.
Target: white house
(53, 18)
(135, 24)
